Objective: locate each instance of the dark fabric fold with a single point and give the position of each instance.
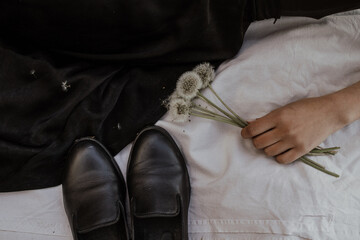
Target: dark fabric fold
(265, 9)
(95, 68)
(316, 9)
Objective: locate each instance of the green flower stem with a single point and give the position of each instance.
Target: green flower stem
(202, 97)
(313, 162)
(227, 107)
(332, 148)
(306, 161)
(199, 108)
(325, 151)
(214, 118)
(321, 153)
(204, 110)
(210, 113)
(316, 154)
(316, 150)
(309, 163)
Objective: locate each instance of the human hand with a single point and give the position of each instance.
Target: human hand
(292, 131)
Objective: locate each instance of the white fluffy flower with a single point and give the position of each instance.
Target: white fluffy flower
(206, 73)
(179, 109)
(188, 85)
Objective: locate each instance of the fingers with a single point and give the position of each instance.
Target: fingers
(277, 148)
(257, 127)
(288, 156)
(266, 139)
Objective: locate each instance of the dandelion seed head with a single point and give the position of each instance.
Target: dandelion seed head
(188, 85)
(179, 109)
(206, 73)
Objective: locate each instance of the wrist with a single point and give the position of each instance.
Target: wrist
(344, 107)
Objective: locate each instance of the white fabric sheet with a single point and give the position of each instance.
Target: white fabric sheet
(238, 192)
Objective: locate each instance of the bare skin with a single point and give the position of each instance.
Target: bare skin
(291, 131)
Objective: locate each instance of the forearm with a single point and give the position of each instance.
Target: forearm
(346, 104)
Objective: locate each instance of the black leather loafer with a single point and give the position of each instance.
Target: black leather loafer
(94, 193)
(158, 186)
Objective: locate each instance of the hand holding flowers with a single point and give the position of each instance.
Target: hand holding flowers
(278, 133)
(290, 132)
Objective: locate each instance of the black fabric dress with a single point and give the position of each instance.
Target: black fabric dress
(70, 69)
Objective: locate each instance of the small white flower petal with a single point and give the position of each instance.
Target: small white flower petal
(65, 86)
(166, 102)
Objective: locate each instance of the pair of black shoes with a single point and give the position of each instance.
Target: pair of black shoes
(158, 187)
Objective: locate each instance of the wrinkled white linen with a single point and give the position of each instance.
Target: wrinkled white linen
(238, 192)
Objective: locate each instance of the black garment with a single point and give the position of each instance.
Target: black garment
(70, 69)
